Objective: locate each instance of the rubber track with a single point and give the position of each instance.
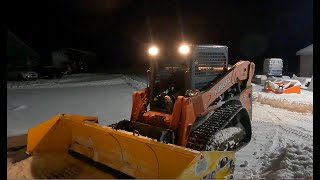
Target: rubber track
(199, 138)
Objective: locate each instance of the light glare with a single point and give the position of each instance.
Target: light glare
(153, 51)
(184, 49)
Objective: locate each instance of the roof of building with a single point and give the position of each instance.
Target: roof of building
(17, 48)
(306, 51)
(74, 50)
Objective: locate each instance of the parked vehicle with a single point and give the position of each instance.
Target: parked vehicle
(21, 74)
(50, 72)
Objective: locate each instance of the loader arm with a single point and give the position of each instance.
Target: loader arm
(241, 73)
(205, 102)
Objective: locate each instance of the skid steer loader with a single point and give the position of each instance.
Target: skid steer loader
(187, 123)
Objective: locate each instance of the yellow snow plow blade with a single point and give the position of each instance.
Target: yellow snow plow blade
(134, 155)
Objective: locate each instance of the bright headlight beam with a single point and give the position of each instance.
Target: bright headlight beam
(153, 51)
(184, 49)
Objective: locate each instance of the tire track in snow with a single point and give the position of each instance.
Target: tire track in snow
(275, 141)
(271, 122)
(290, 130)
(272, 118)
(277, 163)
(296, 116)
(273, 129)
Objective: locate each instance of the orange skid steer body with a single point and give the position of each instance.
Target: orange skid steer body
(135, 155)
(280, 86)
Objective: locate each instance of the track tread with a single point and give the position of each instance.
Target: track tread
(200, 137)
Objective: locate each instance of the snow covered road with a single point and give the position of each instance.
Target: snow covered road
(29, 107)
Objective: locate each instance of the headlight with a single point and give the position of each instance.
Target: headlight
(184, 49)
(153, 51)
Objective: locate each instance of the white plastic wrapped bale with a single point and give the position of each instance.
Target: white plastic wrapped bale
(273, 66)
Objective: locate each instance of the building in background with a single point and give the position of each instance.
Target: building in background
(20, 54)
(59, 57)
(74, 60)
(306, 61)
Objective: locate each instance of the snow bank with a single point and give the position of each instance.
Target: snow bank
(74, 80)
(284, 103)
(290, 162)
(294, 102)
(80, 80)
(76, 84)
(134, 83)
(304, 97)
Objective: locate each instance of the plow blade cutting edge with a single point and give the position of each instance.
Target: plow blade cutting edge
(132, 154)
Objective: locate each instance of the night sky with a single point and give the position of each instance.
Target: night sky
(119, 31)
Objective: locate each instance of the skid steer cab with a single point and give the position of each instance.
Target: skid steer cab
(187, 123)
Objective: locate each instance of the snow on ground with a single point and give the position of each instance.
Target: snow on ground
(27, 107)
(281, 146)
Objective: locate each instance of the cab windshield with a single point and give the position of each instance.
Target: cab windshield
(169, 83)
